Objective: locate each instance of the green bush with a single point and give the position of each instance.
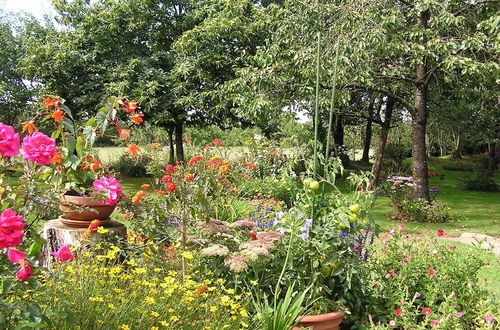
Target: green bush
(409, 208)
(133, 166)
(232, 137)
(420, 282)
(283, 189)
(480, 183)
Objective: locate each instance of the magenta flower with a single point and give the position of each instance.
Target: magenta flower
(435, 323)
(25, 272)
(16, 256)
(110, 188)
(63, 254)
(11, 226)
(459, 314)
(9, 141)
(39, 148)
(489, 319)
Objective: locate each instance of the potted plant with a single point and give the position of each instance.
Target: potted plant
(88, 189)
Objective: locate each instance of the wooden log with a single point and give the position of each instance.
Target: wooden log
(56, 234)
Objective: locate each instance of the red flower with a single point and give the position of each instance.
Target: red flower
(166, 178)
(426, 311)
(431, 272)
(170, 169)
(217, 142)
(252, 166)
(252, 235)
(398, 312)
(440, 232)
(170, 186)
(194, 160)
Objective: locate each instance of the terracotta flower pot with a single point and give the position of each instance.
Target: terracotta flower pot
(329, 321)
(90, 210)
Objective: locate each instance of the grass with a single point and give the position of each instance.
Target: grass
(478, 212)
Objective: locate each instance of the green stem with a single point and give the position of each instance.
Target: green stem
(283, 269)
(332, 105)
(316, 108)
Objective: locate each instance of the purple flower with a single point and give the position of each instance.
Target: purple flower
(304, 236)
(459, 314)
(275, 222)
(417, 295)
(343, 235)
(280, 214)
(489, 319)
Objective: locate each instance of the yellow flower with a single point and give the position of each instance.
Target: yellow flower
(174, 318)
(187, 255)
(170, 310)
(254, 282)
(154, 328)
(149, 300)
(139, 271)
(243, 312)
(102, 230)
(165, 324)
(98, 299)
(111, 306)
(124, 327)
(155, 314)
(213, 309)
(244, 325)
(157, 270)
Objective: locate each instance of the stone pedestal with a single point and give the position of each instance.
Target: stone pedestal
(57, 234)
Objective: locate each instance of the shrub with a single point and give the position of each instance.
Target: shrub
(481, 183)
(134, 166)
(458, 167)
(409, 208)
(419, 282)
(114, 289)
(284, 189)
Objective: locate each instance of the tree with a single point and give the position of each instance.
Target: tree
(14, 92)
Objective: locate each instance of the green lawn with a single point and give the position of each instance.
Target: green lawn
(479, 212)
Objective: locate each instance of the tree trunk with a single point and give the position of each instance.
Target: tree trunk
(368, 134)
(457, 152)
(179, 146)
(171, 149)
(384, 133)
(419, 124)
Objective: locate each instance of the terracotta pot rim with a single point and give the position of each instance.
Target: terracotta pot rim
(321, 317)
(88, 200)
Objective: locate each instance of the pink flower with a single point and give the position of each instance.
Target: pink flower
(392, 324)
(63, 254)
(489, 319)
(11, 226)
(217, 142)
(16, 256)
(440, 232)
(431, 272)
(459, 314)
(391, 231)
(24, 273)
(398, 312)
(9, 141)
(426, 311)
(435, 323)
(39, 148)
(110, 188)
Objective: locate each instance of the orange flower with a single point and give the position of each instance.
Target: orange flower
(95, 165)
(188, 139)
(224, 170)
(137, 197)
(137, 118)
(155, 145)
(30, 127)
(133, 149)
(56, 158)
(124, 133)
(58, 116)
(188, 176)
(146, 186)
(131, 106)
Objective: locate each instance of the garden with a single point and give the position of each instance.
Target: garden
(250, 165)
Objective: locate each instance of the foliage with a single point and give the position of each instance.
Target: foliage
(133, 166)
(394, 155)
(419, 282)
(481, 183)
(233, 137)
(283, 188)
(409, 208)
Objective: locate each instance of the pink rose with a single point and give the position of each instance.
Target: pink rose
(110, 188)
(16, 256)
(39, 148)
(63, 254)
(9, 141)
(11, 226)
(24, 273)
